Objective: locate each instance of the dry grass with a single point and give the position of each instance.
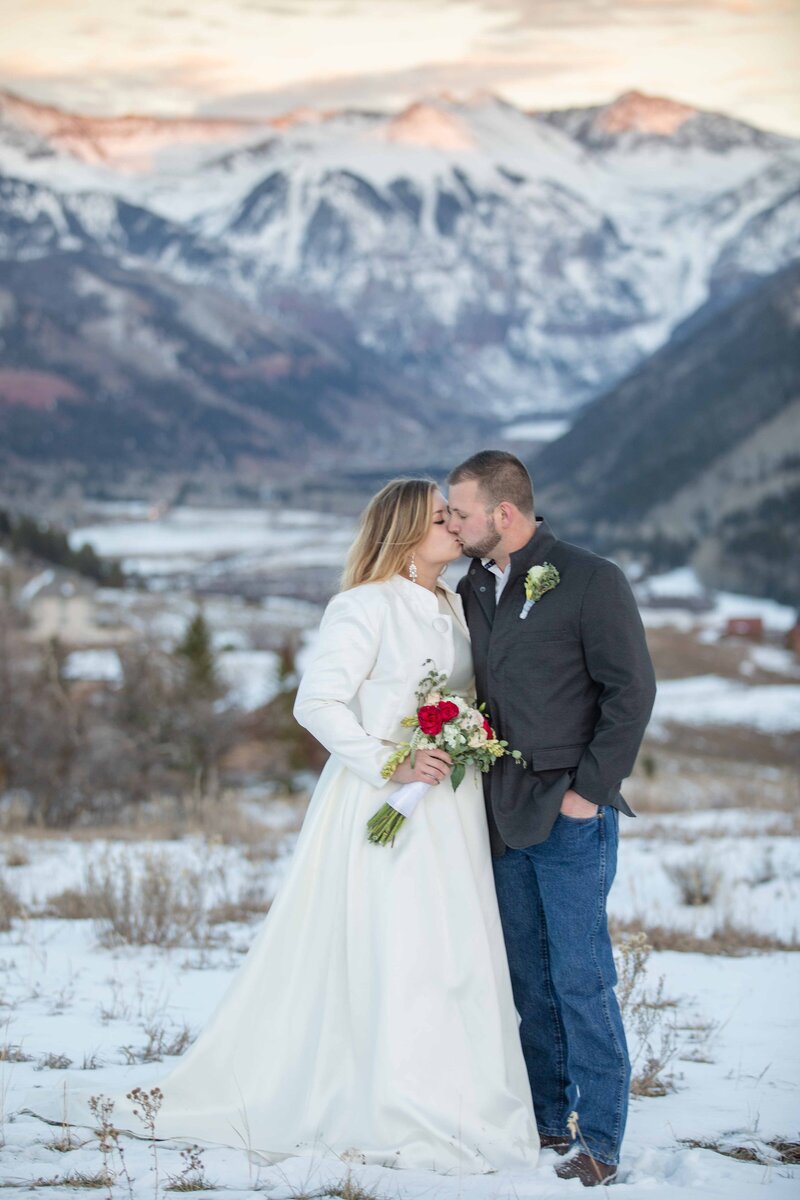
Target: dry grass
(53, 1062)
(17, 856)
(727, 940)
(145, 903)
(783, 1151)
(70, 905)
(10, 906)
(781, 825)
(14, 1054)
(147, 900)
(159, 1045)
(346, 1188)
(193, 1177)
(349, 1189)
(678, 653)
(250, 904)
(227, 820)
(666, 781)
(73, 1179)
(644, 1010)
(697, 880)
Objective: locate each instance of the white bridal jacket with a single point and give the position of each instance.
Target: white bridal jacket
(371, 654)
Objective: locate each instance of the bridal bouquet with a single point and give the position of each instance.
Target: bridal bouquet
(443, 721)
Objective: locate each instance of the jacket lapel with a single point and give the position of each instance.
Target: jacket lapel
(483, 585)
(456, 607)
(533, 554)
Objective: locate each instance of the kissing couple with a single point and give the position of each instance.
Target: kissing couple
(445, 1003)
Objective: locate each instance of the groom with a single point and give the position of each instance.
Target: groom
(569, 682)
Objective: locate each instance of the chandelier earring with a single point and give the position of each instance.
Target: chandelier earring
(412, 569)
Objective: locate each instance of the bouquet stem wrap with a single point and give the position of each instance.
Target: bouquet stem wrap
(386, 822)
(443, 721)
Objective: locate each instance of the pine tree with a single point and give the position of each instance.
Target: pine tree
(197, 650)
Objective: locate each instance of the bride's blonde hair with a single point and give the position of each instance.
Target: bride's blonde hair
(392, 524)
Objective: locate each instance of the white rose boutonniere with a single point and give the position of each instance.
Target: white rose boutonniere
(539, 580)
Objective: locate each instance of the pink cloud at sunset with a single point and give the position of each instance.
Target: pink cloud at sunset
(259, 57)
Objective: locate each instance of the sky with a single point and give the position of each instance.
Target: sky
(262, 57)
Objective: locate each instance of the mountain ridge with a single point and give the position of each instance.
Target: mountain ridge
(695, 454)
(485, 268)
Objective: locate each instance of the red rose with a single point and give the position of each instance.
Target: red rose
(447, 710)
(488, 729)
(430, 719)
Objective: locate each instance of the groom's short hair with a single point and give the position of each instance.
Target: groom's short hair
(500, 476)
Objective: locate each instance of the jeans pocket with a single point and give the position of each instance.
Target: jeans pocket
(580, 820)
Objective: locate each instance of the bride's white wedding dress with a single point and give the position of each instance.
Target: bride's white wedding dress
(373, 1016)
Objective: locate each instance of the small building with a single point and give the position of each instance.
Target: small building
(793, 639)
(751, 628)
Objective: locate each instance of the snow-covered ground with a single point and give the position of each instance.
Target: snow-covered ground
(734, 1065)
(711, 700)
(735, 1059)
(186, 538)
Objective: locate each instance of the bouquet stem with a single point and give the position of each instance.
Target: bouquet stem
(384, 825)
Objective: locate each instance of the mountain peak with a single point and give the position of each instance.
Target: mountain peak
(428, 123)
(639, 113)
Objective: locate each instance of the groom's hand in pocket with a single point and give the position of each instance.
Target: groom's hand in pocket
(574, 805)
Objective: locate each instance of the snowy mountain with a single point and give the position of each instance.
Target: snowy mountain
(111, 370)
(130, 143)
(635, 120)
(695, 455)
(498, 263)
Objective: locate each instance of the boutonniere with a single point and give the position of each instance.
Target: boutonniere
(538, 581)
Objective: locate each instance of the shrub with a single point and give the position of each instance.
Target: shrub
(697, 881)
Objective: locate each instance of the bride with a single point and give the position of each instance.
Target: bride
(373, 1017)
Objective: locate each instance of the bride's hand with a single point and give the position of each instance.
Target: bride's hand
(430, 766)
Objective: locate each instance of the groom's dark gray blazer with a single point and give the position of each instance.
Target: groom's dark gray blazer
(571, 685)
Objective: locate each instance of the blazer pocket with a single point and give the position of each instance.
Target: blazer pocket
(553, 633)
(553, 757)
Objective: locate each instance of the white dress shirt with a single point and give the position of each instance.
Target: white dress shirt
(501, 577)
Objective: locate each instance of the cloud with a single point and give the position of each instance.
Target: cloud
(115, 91)
(532, 14)
(384, 89)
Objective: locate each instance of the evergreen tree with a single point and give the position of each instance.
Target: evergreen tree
(197, 650)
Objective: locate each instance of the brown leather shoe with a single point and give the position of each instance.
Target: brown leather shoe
(590, 1172)
(555, 1141)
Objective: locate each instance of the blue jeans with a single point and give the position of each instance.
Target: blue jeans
(552, 899)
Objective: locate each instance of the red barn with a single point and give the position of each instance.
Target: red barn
(751, 628)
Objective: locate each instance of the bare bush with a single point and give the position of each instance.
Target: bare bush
(17, 856)
(192, 1177)
(160, 1044)
(697, 881)
(53, 1062)
(71, 749)
(643, 1011)
(14, 1054)
(10, 906)
(150, 903)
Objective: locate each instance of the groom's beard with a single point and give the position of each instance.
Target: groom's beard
(484, 548)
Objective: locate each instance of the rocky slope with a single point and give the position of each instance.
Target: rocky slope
(696, 455)
(520, 263)
(355, 287)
